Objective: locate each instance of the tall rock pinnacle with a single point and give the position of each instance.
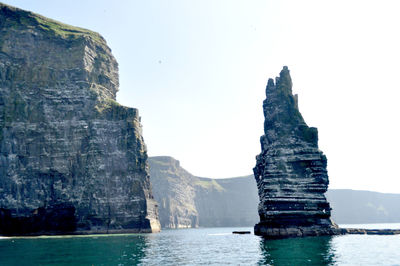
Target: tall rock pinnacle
(291, 171)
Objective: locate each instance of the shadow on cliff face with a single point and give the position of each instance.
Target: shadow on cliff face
(297, 251)
(54, 219)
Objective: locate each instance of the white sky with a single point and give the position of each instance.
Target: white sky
(197, 72)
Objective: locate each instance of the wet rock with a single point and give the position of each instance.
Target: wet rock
(241, 232)
(291, 171)
(72, 160)
(358, 231)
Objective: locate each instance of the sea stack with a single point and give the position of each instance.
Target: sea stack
(72, 160)
(291, 171)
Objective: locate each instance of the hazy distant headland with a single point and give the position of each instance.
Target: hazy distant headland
(187, 201)
(359, 206)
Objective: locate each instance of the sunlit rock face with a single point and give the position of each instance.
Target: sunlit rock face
(291, 172)
(72, 160)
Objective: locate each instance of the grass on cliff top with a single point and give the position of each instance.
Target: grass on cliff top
(30, 19)
(209, 184)
(64, 30)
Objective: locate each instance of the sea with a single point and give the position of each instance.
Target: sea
(202, 246)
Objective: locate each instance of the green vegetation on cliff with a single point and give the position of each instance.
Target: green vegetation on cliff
(209, 184)
(24, 18)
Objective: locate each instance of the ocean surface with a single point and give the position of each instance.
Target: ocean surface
(204, 246)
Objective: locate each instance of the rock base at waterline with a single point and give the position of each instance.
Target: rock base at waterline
(288, 232)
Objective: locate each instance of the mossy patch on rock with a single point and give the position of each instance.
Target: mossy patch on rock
(24, 19)
(209, 184)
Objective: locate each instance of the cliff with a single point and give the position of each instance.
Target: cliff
(291, 172)
(188, 201)
(72, 159)
(227, 202)
(360, 207)
(175, 193)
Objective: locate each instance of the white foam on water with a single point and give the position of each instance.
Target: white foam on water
(220, 234)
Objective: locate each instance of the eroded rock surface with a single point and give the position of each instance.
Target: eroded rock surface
(72, 160)
(291, 172)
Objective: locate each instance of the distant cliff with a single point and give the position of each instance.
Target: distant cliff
(72, 160)
(189, 201)
(358, 207)
(173, 189)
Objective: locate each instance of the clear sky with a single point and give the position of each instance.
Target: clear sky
(197, 71)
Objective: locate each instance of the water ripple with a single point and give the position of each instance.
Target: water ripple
(210, 246)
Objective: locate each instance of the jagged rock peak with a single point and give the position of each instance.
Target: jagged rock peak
(283, 119)
(291, 171)
(72, 160)
(283, 82)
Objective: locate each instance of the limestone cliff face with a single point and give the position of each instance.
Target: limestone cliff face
(72, 160)
(187, 201)
(174, 191)
(291, 171)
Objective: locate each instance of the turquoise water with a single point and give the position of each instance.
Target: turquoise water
(206, 246)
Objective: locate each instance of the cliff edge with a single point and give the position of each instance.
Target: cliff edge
(72, 160)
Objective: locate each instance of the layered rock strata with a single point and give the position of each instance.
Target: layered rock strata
(72, 160)
(291, 172)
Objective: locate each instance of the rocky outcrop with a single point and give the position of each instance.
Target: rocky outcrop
(291, 172)
(72, 160)
(358, 231)
(187, 201)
